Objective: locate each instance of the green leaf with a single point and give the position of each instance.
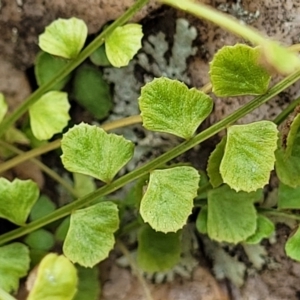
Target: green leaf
(91, 234)
(201, 222)
(40, 239)
(169, 106)
(83, 184)
(135, 194)
(157, 251)
(14, 135)
(203, 185)
(288, 168)
(42, 207)
(17, 199)
(47, 66)
(293, 138)
(249, 155)
(231, 215)
(288, 197)
(49, 115)
(92, 91)
(99, 57)
(236, 70)
(14, 264)
(36, 255)
(279, 58)
(168, 200)
(62, 230)
(214, 162)
(123, 44)
(3, 107)
(89, 284)
(265, 227)
(288, 159)
(90, 150)
(64, 37)
(292, 246)
(33, 141)
(56, 279)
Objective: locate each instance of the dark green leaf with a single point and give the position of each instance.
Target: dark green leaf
(99, 57)
(158, 251)
(47, 66)
(288, 197)
(288, 169)
(214, 162)
(92, 91)
(41, 208)
(89, 283)
(40, 239)
(201, 222)
(292, 246)
(264, 229)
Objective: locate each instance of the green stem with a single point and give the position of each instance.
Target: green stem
(276, 213)
(44, 168)
(284, 114)
(29, 155)
(164, 158)
(219, 18)
(5, 296)
(34, 97)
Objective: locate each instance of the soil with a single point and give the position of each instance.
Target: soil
(20, 24)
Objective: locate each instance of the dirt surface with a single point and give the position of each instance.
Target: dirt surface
(20, 24)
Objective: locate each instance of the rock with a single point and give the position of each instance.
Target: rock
(13, 84)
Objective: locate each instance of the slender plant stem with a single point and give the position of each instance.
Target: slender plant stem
(5, 296)
(44, 168)
(56, 144)
(294, 48)
(219, 18)
(136, 269)
(97, 42)
(152, 165)
(29, 155)
(122, 122)
(284, 114)
(207, 88)
(276, 213)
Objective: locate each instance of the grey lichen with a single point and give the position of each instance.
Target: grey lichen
(157, 47)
